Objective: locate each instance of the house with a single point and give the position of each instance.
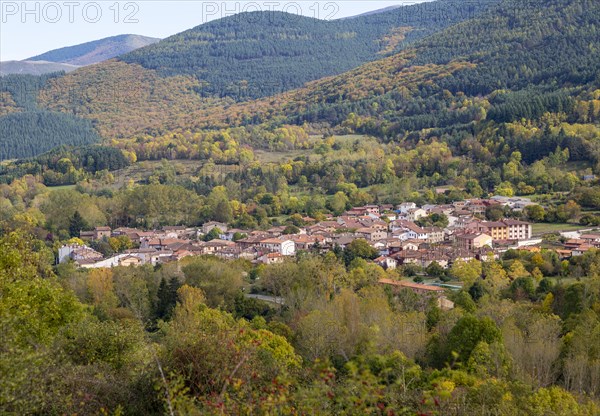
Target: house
(283, 247)
(476, 207)
(130, 260)
(372, 209)
(271, 258)
(305, 242)
(508, 229)
(593, 239)
(230, 233)
(78, 253)
(579, 251)
(343, 241)
(371, 234)
(471, 241)
(207, 227)
(518, 230)
(423, 290)
(405, 206)
(102, 232)
(435, 235)
(413, 214)
(215, 246)
(387, 263)
(174, 231)
(87, 235)
(407, 230)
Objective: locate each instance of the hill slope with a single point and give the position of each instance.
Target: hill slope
(34, 67)
(258, 54)
(96, 51)
(513, 61)
(236, 59)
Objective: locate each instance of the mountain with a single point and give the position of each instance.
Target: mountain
(498, 62)
(252, 55)
(371, 12)
(96, 51)
(512, 61)
(34, 67)
(520, 62)
(161, 87)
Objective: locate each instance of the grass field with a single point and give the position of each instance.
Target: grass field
(61, 188)
(540, 229)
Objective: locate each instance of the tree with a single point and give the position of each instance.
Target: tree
(166, 297)
(591, 116)
(533, 340)
(535, 213)
(291, 229)
(219, 281)
(572, 209)
(467, 333)
(494, 213)
(434, 269)
(223, 212)
(477, 290)
(466, 271)
(359, 248)
(77, 224)
(339, 202)
(214, 233)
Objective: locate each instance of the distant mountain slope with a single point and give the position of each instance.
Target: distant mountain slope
(258, 54)
(27, 134)
(383, 10)
(518, 59)
(33, 67)
(236, 59)
(96, 51)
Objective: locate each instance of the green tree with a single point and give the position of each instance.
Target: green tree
(535, 213)
(359, 248)
(339, 202)
(77, 224)
(467, 333)
(166, 297)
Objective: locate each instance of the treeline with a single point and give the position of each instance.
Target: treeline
(66, 165)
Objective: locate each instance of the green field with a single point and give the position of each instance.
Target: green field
(540, 229)
(61, 187)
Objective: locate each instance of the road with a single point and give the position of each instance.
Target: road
(266, 298)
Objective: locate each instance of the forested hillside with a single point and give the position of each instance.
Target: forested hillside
(31, 133)
(26, 130)
(163, 87)
(259, 54)
(500, 112)
(545, 51)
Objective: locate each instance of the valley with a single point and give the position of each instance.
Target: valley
(395, 213)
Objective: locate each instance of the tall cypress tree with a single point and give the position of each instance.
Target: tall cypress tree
(591, 113)
(76, 224)
(167, 297)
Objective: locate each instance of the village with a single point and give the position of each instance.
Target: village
(391, 230)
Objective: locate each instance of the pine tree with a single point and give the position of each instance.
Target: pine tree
(76, 224)
(167, 297)
(591, 116)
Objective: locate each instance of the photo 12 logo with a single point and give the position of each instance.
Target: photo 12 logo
(319, 10)
(68, 11)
